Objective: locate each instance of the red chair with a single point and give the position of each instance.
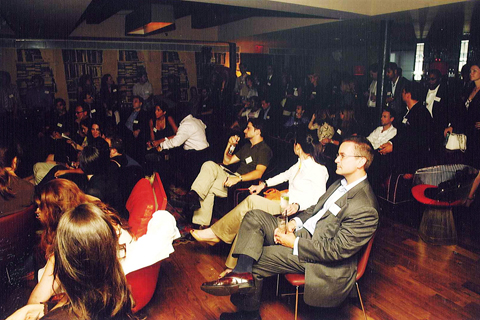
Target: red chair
(16, 242)
(298, 280)
(143, 282)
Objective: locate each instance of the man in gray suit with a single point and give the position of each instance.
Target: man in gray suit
(321, 241)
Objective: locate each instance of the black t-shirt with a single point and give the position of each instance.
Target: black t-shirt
(251, 156)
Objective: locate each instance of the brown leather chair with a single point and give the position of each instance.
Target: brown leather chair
(16, 243)
(298, 279)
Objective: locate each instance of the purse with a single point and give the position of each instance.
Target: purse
(457, 141)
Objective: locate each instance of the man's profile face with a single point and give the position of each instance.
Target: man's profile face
(79, 113)
(347, 161)
(136, 104)
(249, 131)
(386, 118)
(391, 74)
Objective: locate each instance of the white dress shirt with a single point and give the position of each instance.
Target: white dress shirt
(430, 100)
(190, 133)
(311, 223)
(379, 137)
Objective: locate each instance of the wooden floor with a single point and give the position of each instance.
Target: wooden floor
(405, 279)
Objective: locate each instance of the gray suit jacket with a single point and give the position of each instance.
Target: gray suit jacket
(330, 253)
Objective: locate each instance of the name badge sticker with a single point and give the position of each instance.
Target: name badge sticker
(154, 129)
(114, 90)
(10, 96)
(438, 99)
(93, 111)
(135, 121)
(334, 209)
(47, 92)
(59, 125)
(248, 160)
(339, 132)
(405, 120)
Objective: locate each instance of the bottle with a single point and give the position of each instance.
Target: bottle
(231, 150)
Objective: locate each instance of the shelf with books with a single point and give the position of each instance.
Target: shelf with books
(30, 63)
(174, 73)
(78, 63)
(129, 66)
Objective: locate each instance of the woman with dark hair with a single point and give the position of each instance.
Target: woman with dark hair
(60, 195)
(15, 193)
(468, 121)
(162, 126)
(86, 269)
(307, 180)
(86, 86)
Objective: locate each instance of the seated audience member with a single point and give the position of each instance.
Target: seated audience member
(251, 110)
(60, 124)
(190, 134)
(144, 90)
(307, 180)
(411, 145)
(95, 112)
(86, 268)
(59, 196)
(213, 180)
(270, 116)
(385, 132)
(15, 194)
(80, 115)
(162, 127)
(39, 100)
(298, 119)
(321, 122)
(109, 98)
(103, 179)
(321, 242)
(135, 130)
(86, 85)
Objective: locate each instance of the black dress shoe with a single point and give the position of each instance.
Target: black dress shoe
(241, 315)
(230, 284)
(192, 201)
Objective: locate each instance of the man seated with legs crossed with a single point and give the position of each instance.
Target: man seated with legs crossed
(321, 241)
(213, 180)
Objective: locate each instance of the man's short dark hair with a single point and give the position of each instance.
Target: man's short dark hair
(391, 111)
(258, 124)
(391, 66)
(363, 148)
(435, 72)
(414, 89)
(93, 161)
(117, 143)
(59, 100)
(137, 97)
(373, 67)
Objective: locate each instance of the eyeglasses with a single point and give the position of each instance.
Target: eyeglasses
(343, 156)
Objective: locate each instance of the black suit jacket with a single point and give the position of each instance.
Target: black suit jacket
(441, 114)
(398, 105)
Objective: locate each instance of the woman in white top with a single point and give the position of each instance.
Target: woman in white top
(307, 180)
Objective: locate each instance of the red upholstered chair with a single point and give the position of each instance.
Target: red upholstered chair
(298, 279)
(16, 242)
(146, 198)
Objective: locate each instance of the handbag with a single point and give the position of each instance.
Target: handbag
(457, 141)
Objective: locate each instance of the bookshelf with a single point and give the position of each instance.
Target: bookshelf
(78, 63)
(29, 64)
(128, 67)
(172, 66)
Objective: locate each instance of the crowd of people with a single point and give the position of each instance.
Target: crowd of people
(83, 163)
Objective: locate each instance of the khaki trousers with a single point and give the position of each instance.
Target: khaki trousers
(227, 227)
(208, 185)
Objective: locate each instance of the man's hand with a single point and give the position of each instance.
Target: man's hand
(447, 130)
(291, 209)
(136, 133)
(284, 239)
(256, 189)
(234, 140)
(385, 148)
(231, 181)
(61, 173)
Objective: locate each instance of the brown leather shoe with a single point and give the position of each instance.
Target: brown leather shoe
(230, 284)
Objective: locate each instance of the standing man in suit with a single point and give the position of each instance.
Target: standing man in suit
(436, 101)
(322, 241)
(394, 91)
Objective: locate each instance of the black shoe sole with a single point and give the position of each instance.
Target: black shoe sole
(243, 288)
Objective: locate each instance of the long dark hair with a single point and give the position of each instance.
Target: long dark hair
(8, 152)
(310, 144)
(85, 249)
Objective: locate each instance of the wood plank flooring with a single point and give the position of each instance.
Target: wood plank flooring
(405, 279)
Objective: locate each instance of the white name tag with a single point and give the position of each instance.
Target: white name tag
(93, 111)
(248, 160)
(314, 93)
(114, 90)
(405, 120)
(59, 125)
(438, 99)
(147, 92)
(339, 132)
(47, 92)
(334, 209)
(135, 121)
(10, 96)
(154, 129)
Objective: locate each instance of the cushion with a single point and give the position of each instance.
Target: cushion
(141, 206)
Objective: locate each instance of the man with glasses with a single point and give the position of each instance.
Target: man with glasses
(322, 241)
(436, 101)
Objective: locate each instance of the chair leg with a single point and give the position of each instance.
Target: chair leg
(296, 302)
(361, 301)
(278, 282)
